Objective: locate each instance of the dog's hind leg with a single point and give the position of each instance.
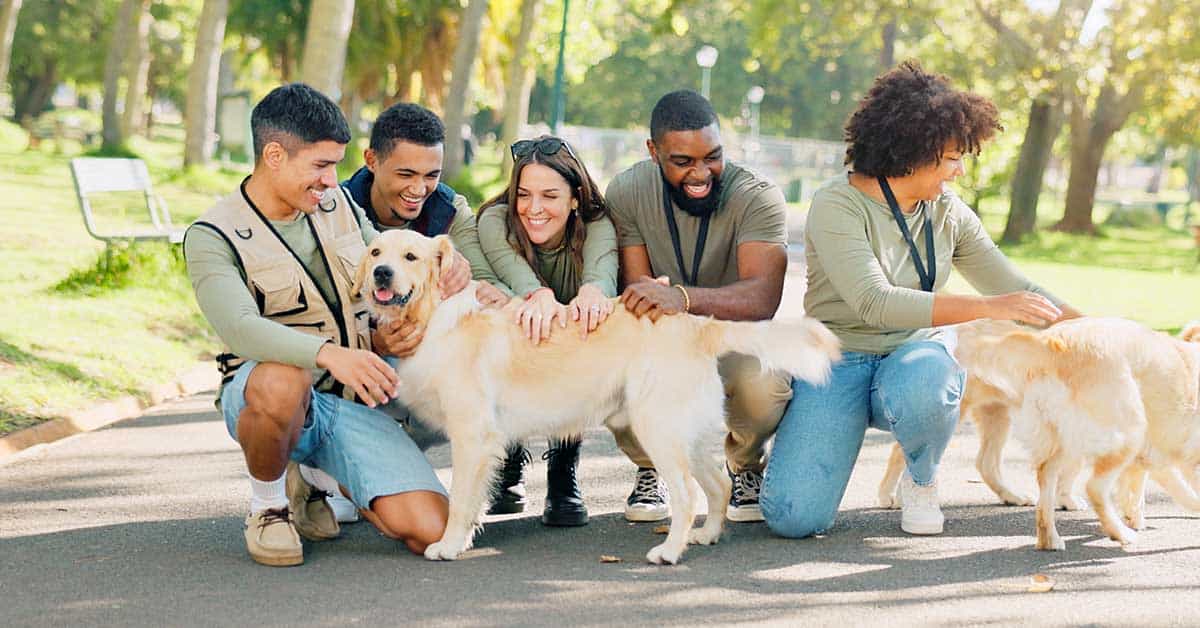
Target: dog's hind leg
(993, 423)
(1131, 495)
(716, 486)
(888, 498)
(1047, 476)
(474, 458)
(1067, 499)
(1105, 471)
(1172, 481)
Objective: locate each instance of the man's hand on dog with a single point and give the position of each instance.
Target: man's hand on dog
(397, 338)
(372, 379)
(454, 280)
(536, 315)
(652, 297)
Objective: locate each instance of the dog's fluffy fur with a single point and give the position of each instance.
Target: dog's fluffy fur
(1109, 393)
(476, 377)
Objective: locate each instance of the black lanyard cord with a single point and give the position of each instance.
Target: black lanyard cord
(701, 238)
(927, 278)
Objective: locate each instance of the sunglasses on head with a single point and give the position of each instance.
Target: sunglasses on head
(546, 146)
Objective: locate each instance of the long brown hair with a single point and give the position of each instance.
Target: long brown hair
(592, 205)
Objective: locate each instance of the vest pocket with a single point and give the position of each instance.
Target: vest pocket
(278, 292)
(350, 250)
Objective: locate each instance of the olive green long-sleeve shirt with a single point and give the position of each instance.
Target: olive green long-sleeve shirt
(862, 283)
(599, 258)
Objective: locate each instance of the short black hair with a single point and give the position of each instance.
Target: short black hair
(908, 118)
(296, 112)
(406, 122)
(681, 110)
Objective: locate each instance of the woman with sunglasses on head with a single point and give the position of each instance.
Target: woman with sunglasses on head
(549, 237)
(880, 243)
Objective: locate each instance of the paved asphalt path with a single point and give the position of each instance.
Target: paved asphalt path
(139, 524)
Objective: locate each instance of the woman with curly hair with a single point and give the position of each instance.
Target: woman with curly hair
(880, 243)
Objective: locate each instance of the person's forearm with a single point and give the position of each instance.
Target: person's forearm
(949, 309)
(754, 299)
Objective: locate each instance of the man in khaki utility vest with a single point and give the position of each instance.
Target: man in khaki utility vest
(272, 265)
(713, 234)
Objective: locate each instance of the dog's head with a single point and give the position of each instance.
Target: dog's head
(400, 271)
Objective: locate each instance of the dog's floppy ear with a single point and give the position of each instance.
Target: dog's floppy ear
(445, 254)
(360, 274)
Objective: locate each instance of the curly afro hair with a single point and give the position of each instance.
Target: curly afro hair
(908, 118)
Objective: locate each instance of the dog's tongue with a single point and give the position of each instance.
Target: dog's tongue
(383, 295)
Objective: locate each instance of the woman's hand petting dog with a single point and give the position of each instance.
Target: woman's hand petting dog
(653, 297)
(399, 338)
(372, 379)
(1024, 307)
(590, 307)
(454, 280)
(537, 314)
(489, 295)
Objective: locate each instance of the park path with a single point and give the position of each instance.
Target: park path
(139, 524)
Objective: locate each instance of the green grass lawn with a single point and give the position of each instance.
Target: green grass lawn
(66, 347)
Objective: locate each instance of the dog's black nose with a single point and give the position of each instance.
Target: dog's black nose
(383, 275)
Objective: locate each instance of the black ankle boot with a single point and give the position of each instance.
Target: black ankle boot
(564, 503)
(508, 491)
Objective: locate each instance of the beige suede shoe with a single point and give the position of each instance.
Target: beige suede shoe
(271, 539)
(313, 517)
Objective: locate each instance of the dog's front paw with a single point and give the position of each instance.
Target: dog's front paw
(889, 501)
(1123, 535)
(1053, 544)
(702, 536)
(1016, 499)
(1135, 522)
(663, 555)
(443, 550)
(1067, 501)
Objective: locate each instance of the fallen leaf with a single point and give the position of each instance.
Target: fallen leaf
(605, 558)
(662, 529)
(1040, 583)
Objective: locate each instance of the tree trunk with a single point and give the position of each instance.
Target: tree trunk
(459, 94)
(113, 135)
(8, 26)
(324, 60)
(139, 71)
(35, 97)
(200, 115)
(519, 83)
(1045, 123)
(1089, 138)
(1193, 174)
(887, 53)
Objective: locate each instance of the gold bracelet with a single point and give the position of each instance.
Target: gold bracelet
(687, 301)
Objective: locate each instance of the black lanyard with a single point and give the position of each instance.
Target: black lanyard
(927, 278)
(701, 238)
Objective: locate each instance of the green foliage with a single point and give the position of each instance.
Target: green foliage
(57, 42)
(121, 265)
(13, 139)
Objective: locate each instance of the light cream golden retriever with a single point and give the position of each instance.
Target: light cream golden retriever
(477, 378)
(1106, 392)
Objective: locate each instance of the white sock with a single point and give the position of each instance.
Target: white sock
(268, 494)
(320, 480)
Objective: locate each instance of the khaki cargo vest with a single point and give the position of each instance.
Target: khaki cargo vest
(284, 290)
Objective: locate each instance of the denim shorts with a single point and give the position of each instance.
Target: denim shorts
(365, 450)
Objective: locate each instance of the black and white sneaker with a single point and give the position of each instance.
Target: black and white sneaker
(743, 501)
(648, 501)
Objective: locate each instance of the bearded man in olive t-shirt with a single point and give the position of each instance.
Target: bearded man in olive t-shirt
(701, 235)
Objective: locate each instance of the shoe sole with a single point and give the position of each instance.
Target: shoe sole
(278, 560)
(744, 514)
(565, 521)
(311, 533)
(922, 530)
(643, 516)
(506, 509)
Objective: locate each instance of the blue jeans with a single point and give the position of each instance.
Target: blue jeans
(365, 450)
(912, 392)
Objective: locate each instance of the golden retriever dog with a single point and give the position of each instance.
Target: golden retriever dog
(989, 409)
(477, 378)
(1106, 392)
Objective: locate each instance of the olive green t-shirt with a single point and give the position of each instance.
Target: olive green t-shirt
(751, 209)
(555, 265)
(466, 240)
(862, 283)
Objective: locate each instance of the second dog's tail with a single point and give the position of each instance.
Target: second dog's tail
(803, 347)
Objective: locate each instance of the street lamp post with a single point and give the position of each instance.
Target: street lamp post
(706, 58)
(755, 97)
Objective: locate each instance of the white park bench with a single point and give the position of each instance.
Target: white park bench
(103, 175)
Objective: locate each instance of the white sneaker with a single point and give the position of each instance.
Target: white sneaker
(343, 509)
(920, 509)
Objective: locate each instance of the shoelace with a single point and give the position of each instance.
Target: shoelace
(746, 486)
(514, 465)
(272, 516)
(315, 494)
(550, 456)
(923, 496)
(648, 489)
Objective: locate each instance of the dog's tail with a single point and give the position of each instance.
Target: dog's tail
(803, 348)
